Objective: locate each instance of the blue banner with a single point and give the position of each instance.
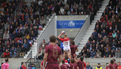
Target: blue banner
(70, 24)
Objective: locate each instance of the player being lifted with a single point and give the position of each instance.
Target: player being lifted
(66, 43)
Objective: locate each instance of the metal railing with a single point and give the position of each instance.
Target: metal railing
(49, 30)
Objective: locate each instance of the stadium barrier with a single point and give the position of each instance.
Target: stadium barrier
(15, 63)
(50, 29)
(71, 24)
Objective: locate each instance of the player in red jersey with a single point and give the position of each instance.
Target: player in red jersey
(119, 65)
(107, 66)
(65, 65)
(112, 65)
(115, 64)
(66, 43)
(73, 65)
(81, 64)
(73, 48)
(52, 54)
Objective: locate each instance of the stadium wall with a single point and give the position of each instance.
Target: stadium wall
(14, 63)
(70, 31)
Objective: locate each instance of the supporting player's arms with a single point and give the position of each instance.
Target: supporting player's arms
(45, 59)
(60, 59)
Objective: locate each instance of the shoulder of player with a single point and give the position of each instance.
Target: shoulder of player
(67, 39)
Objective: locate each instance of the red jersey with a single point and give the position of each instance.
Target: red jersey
(54, 52)
(119, 67)
(66, 43)
(64, 39)
(64, 66)
(107, 67)
(73, 66)
(115, 65)
(73, 49)
(42, 63)
(81, 65)
(23, 67)
(112, 66)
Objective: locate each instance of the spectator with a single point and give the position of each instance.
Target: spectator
(106, 33)
(6, 35)
(117, 53)
(88, 66)
(99, 66)
(98, 54)
(43, 22)
(6, 54)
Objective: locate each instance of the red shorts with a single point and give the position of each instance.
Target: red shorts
(52, 66)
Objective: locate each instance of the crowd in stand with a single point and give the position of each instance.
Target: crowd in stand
(20, 21)
(105, 41)
(18, 28)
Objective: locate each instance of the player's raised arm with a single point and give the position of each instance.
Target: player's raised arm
(59, 36)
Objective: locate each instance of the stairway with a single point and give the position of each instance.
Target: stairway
(92, 26)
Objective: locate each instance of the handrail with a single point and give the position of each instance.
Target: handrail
(80, 29)
(46, 26)
(83, 29)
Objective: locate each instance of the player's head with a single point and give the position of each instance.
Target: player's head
(52, 39)
(65, 35)
(66, 57)
(81, 58)
(63, 61)
(107, 64)
(114, 60)
(72, 42)
(6, 60)
(111, 61)
(22, 63)
(72, 61)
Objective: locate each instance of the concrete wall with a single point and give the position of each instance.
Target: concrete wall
(14, 63)
(93, 61)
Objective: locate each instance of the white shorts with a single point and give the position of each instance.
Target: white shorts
(66, 48)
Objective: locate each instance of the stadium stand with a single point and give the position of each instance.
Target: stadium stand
(105, 41)
(20, 22)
